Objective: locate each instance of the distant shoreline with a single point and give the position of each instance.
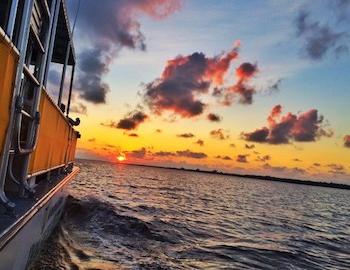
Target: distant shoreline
(250, 176)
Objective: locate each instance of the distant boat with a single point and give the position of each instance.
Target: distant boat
(37, 136)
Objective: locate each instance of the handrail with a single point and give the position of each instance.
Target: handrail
(35, 119)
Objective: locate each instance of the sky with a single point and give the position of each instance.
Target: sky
(253, 87)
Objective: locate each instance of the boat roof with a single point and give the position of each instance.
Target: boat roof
(63, 37)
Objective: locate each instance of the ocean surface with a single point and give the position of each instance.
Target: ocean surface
(132, 217)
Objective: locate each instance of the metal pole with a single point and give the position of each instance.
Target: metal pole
(22, 45)
(70, 89)
(12, 18)
(64, 74)
(52, 41)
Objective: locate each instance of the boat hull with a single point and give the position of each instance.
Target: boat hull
(22, 242)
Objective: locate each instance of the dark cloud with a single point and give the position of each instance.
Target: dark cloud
(186, 135)
(108, 28)
(164, 154)
(247, 146)
(133, 135)
(259, 135)
(199, 142)
(305, 127)
(219, 134)
(93, 64)
(274, 87)
(296, 160)
(242, 158)
(213, 117)
(78, 108)
(318, 39)
(347, 141)
(316, 164)
(223, 157)
(185, 153)
(241, 92)
(264, 158)
(189, 154)
(132, 121)
(138, 154)
(183, 80)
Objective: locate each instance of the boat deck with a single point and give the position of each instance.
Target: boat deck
(11, 223)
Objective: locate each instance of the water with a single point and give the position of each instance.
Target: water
(130, 217)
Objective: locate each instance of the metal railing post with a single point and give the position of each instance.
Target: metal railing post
(12, 18)
(52, 40)
(64, 74)
(70, 89)
(22, 45)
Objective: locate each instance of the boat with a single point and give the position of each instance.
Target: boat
(37, 136)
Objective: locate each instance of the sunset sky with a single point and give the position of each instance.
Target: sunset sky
(256, 87)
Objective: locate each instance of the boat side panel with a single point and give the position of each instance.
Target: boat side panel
(54, 142)
(25, 246)
(8, 65)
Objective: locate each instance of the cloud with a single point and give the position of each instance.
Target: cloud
(189, 154)
(232, 145)
(347, 141)
(296, 160)
(305, 127)
(159, 130)
(133, 135)
(92, 140)
(267, 166)
(223, 157)
(336, 168)
(186, 135)
(259, 135)
(132, 121)
(164, 154)
(242, 158)
(138, 154)
(78, 108)
(219, 134)
(273, 87)
(247, 146)
(107, 28)
(54, 77)
(316, 164)
(264, 158)
(183, 81)
(318, 39)
(199, 142)
(244, 73)
(213, 117)
(342, 8)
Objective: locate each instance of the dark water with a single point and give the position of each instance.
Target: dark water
(129, 217)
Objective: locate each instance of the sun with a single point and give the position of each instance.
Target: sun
(121, 157)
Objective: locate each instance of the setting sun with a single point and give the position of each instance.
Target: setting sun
(121, 157)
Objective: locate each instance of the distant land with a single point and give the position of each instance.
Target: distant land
(250, 176)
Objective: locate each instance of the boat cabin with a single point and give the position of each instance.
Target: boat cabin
(37, 136)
